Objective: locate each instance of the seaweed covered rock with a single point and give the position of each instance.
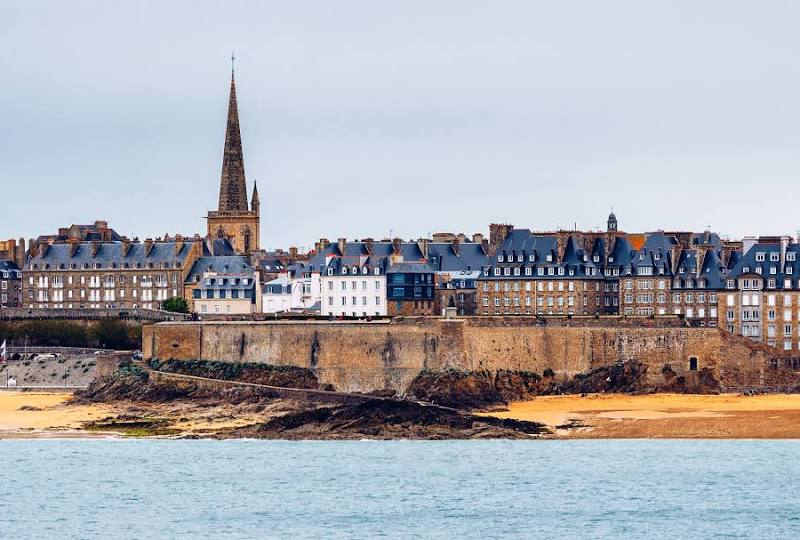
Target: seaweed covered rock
(478, 389)
(387, 419)
(251, 372)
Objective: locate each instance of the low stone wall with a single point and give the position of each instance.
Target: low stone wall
(365, 356)
(138, 314)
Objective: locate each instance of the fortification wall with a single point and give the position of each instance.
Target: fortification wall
(367, 356)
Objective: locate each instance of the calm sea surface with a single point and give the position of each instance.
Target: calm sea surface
(402, 489)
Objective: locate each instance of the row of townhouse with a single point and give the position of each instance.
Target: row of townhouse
(607, 273)
(122, 274)
(377, 278)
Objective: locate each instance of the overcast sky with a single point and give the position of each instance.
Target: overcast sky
(361, 118)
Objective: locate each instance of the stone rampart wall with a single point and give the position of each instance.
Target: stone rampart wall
(367, 356)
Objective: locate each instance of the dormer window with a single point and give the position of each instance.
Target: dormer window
(656, 256)
(497, 271)
(596, 258)
(745, 270)
(519, 258)
(377, 271)
(773, 257)
(760, 256)
(560, 271)
(771, 283)
(507, 271)
(364, 270)
(549, 257)
(528, 270)
(530, 258)
(773, 270)
(789, 269)
(791, 257)
(500, 258)
(611, 259)
(330, 271)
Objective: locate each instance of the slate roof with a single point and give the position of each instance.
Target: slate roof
(10, 270)
(769, 268)
(110, 255)
(228, 265)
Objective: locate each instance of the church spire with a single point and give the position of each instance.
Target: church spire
(255, 202)
(233, 189)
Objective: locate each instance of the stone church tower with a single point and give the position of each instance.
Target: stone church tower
(233, 219)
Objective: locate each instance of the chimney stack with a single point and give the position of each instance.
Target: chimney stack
(126, 246)
(423, 244)
(148, 246)
(342, 245)
(456, 245)
(178, 244)
(95, 247)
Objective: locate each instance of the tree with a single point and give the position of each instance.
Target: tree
(175, 304)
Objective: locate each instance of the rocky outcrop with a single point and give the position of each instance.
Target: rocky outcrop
(251, 372)
(477, 389)
(386, 419)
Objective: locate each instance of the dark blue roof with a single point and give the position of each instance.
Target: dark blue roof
(228, 265)
(110, 255)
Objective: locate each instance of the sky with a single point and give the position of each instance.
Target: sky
(376, 118)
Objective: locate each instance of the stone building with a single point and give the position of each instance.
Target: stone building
(13, 250)
(10, 284)
(761, 299)
(537, 274)
(94, 275)
(457, 290)
(233, 219)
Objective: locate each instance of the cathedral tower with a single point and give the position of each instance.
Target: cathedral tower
(233, 219)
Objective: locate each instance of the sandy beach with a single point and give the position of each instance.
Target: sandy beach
(44, 414)
(725, 416)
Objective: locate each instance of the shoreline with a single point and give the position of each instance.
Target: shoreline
(35, 415)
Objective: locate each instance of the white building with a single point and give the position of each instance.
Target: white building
(353, 286)
(292, 291)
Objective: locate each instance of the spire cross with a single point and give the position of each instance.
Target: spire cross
(233, 59)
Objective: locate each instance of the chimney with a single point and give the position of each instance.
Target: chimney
(485, 246)
(422, 243)
(369, 243)
(342, 244)
(73, 248)
(293, 252)
(323, 243)
(95, 247)
(784, 246)
(396, 246)
(178, 244)
(477, 238)
(126, 246)
(148, 246)
(497, 234)
(748, 242)
(457, 245)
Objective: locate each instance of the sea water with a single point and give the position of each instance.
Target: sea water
(399, 489)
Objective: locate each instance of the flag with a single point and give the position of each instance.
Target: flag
(3, 352)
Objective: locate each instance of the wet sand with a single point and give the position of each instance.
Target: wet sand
(45, 415)
(726, 416)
